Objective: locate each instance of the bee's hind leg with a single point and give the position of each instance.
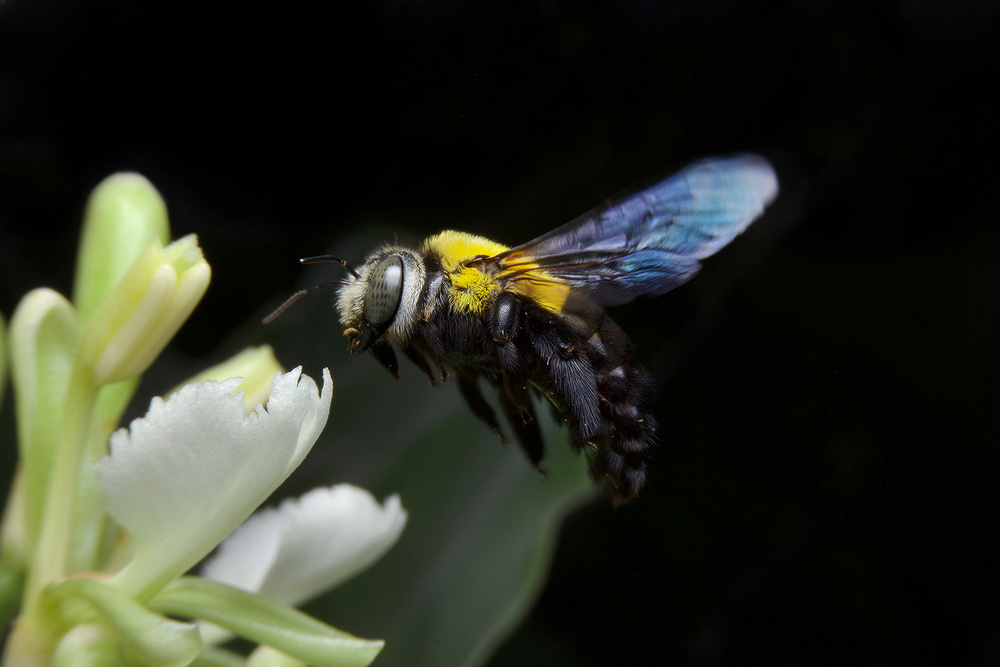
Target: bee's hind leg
(469, 386)
(420, 361)
(516, 402)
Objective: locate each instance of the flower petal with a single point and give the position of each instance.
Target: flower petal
(182, 477)
(307, 545)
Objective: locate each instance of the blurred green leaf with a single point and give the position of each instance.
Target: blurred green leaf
(3, 356)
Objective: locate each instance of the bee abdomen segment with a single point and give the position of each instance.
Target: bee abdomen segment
(625, 392)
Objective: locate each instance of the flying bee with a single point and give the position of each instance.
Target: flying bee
(531, 318)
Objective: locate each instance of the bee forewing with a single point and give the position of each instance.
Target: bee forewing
(651, 241)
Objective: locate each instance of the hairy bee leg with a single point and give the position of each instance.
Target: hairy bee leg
(432, 345)
(571, 377)
(420, 361)
(469, 386)
(515, 399)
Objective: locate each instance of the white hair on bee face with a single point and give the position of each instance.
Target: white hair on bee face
(351, 296)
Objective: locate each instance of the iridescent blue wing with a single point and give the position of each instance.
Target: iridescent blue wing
(651, 241)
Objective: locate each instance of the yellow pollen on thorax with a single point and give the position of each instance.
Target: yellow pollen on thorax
(474, 291)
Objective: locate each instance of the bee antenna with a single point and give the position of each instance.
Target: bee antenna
(292, 299)
(301, 293)
(330, 258)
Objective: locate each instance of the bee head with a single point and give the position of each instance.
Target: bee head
(379, 305)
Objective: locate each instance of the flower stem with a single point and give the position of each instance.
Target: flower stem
(51, 555)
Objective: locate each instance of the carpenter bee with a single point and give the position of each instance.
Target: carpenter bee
(531, 318)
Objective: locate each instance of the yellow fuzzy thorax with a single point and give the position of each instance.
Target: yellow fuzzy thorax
(456, 247)
(472, 290)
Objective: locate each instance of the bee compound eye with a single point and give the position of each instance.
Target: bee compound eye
(385, 288)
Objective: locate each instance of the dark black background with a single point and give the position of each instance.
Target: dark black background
(826, 493)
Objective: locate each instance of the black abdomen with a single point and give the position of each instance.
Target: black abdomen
(603, 393)
(625, 391)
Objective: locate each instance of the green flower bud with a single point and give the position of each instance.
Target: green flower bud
(43, 342)
(256, 365)
(123, 215)
(145, 308)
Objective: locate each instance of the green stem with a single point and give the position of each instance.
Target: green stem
(91, 535)
(51, 555)
(32, 639)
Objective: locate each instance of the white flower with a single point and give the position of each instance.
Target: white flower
(182, 477)
(308, 545)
